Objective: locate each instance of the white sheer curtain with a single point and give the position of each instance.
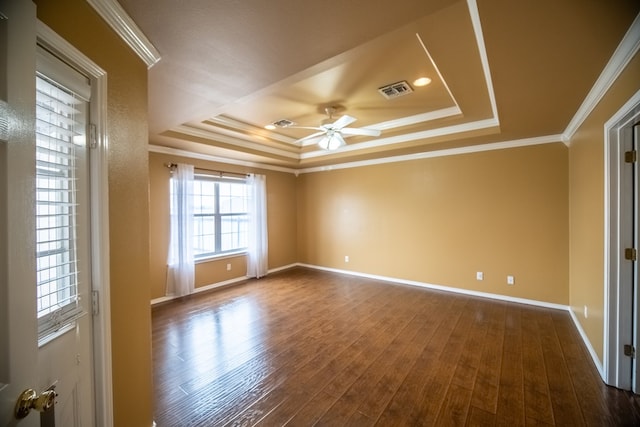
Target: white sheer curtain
(180, 275)
(257, 252)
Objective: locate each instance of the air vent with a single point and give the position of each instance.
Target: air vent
(395, 90)
(283, 123)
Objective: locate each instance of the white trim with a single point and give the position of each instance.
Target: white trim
(100, 223)
(587, 343)
(624, 117)
(435, 66)
(235, 141)
(441, 287)
(417, 118)
(549, 139)
(625, 51)
(407, 137)
(477, 28)
(127, 29)
(540, 140)
(210, 158)
(218, 285)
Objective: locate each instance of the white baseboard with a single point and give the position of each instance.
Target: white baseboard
(592, 352)
(219, 284)
(442, 288)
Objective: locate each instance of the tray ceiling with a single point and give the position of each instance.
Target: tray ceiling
(499, 70)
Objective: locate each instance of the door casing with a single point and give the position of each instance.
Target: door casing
(619, 310)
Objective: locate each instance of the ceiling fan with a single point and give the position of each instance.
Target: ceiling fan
(332, 132)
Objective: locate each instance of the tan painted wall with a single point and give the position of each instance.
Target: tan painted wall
(586, 181)
(79, 24)
(441, 220)
(281, 221)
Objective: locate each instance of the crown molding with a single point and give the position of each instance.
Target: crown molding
(191, 155)
(431, 133)
(477, 28)
(625, 51)
(549, 139)
(231, 140)
(127, 29)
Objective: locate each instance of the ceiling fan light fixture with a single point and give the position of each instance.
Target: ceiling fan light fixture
(270, 126)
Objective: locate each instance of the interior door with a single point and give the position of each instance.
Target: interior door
(30, 358)
(18, 325)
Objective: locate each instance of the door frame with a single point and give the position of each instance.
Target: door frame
(617, 315)
(99, 206)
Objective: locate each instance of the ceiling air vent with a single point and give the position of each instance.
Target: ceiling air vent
(395, 90)
(283, 123)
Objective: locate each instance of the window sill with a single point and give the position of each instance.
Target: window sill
(220, 257)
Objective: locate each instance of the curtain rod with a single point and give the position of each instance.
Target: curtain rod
(172, 166)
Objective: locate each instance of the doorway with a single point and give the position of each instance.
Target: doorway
(20, 352)
(622, 326)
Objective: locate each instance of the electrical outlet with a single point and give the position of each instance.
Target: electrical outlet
(228, 267)
(479, 275)
(346, 258)
(586, 313)
(511, 280)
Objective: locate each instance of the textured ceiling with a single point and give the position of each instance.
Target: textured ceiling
(500, 70)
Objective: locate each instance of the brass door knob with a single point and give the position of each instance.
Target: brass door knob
(29, 400)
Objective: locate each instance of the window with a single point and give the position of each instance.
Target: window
(220, 222)
(61, 121)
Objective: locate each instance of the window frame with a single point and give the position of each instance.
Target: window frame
(217, 217)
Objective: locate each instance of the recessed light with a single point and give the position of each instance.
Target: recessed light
(422, 81)
(270, 127)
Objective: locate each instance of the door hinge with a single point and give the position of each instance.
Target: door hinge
(631, 254)
(629, 351)
(95, 302)
(93, 136)
(631, 156)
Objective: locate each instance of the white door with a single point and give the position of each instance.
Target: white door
(45, 318)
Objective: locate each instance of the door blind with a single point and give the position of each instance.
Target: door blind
(60, 136)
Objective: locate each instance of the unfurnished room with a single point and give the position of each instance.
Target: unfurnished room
(358, 213)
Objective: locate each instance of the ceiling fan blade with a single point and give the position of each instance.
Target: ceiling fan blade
(313, 135)
(343, 121)
(360, 131)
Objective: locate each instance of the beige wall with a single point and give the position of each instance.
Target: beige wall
(586, 178)
(128, 195)
(281, 221)
(441, 220)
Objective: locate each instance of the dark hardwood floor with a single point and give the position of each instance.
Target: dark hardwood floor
(304, 348)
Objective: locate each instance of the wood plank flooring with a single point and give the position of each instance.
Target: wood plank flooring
(304, 347)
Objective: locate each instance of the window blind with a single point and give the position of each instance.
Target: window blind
(60, 131)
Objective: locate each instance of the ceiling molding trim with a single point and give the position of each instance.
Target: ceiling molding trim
(477, 28)
(127, 29)
(446, 86)
(625, 51)
(540, 140)
(252, 130)
(210, 158)
(432, 133)
(417, 118)
(201, 133)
